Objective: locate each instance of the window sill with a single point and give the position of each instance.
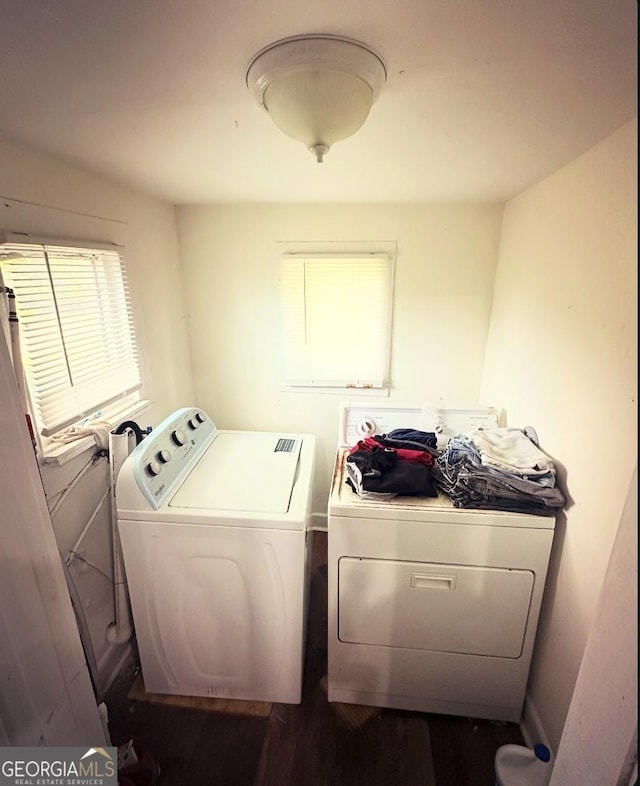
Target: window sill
(348, 392)
(60, 454)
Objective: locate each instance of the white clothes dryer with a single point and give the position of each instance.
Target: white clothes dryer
(431, 607)
(213, 526)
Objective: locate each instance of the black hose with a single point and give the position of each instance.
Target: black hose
(130, 424)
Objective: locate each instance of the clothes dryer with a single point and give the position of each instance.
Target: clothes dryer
(213, 526)
(431, 607)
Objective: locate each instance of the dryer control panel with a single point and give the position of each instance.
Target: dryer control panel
(162, 459)
(358, 420)
(447, 421)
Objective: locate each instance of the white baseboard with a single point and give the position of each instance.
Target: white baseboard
(531, 726)
(319, 522)
(112, 663)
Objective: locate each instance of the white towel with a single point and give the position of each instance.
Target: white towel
(510, 450)
(97, 428)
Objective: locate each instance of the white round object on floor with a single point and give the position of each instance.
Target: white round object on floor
(516, 765)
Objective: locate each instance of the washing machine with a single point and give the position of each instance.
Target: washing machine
(431, 608)
(213, 526)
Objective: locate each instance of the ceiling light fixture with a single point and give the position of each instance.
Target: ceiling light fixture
(318, 89)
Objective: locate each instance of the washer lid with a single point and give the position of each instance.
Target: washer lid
(243, 471)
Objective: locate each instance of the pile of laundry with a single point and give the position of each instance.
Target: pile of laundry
(398, 463)
(499, 469)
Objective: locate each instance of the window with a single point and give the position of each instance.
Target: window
(76, 329)
(337, 320)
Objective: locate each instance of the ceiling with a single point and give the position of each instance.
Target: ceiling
(483, 97)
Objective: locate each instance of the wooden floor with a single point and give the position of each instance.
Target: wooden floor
(309, 744)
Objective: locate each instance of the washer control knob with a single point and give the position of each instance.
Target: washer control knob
(178, 436)
(194, 422)
(153, 468)
(200, 417)
(163, 456)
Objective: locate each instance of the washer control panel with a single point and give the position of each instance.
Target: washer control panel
(167, 454)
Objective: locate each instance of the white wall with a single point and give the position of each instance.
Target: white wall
(43, 196)
(562, 356)
(445, 266)
(604, 707)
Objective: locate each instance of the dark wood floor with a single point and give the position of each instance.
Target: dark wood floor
(309, 744)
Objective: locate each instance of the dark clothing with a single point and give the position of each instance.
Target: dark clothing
(376, 470)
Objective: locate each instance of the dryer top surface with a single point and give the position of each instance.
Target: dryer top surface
(344, 502)
(359, 419)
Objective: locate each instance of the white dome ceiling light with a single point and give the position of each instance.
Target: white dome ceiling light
(317, 89)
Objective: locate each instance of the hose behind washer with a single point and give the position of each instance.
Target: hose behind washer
(130, 424)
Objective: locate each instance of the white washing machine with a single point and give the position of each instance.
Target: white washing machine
(431, 607)
(213, 526)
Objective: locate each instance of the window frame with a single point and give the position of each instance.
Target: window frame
(334, 251)
(110, 262)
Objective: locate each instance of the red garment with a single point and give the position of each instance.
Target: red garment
(416, 456)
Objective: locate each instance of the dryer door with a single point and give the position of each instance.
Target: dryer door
(431, 606)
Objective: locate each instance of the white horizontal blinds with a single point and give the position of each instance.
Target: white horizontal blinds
(76, 330)
(337, 320)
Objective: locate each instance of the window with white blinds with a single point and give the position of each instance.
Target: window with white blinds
(337, 320)
(76, 329)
